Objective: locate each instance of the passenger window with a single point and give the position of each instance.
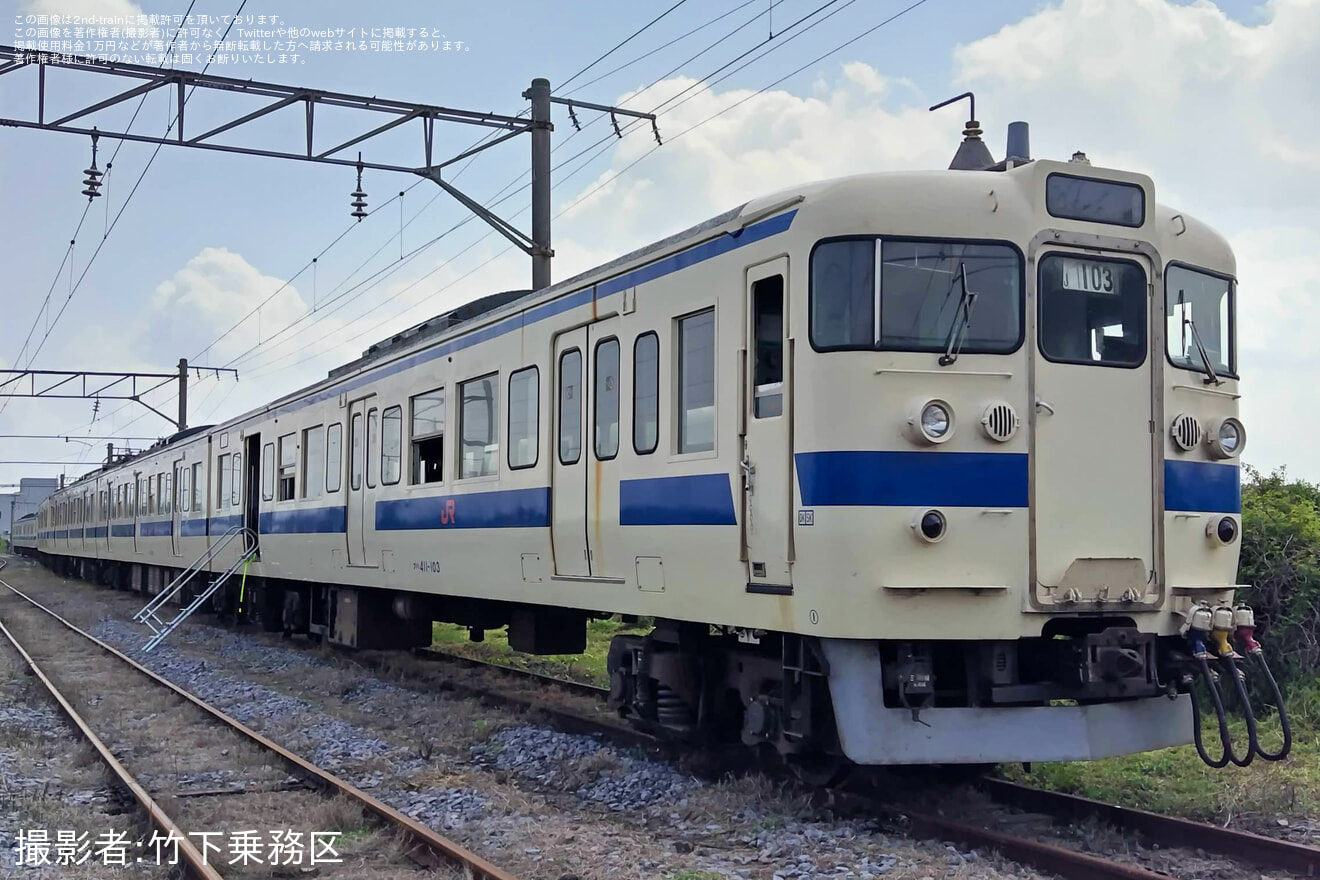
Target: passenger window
(428, 437)
(268, 471)
(570, 406)
(477, 426)
(646, 393)
(606, 401)
(842, 301)
(1092, 311)
(334, 461)
(167, 494)
(696, 382)
(313, 462)
(236, 482)
(768, 328)
(288, 466)
(356, 452)
(197, 487)
(391, 445)
(185, 496)
(223, 476)
(524, 416)
(373, 447)
(153, 486)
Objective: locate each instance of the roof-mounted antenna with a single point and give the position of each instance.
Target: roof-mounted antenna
(973, 154)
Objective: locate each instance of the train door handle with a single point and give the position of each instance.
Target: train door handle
(749, 472)
(1042, 405)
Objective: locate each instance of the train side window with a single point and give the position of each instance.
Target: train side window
(334, 456)
(842, 300)
(141, 497)
(570, 406)
(268, 471)
(391, 445)
(373, 447)
(478, 428)
(524, 417)
(167, 494)
(153, 491)
(605, 404)
(185, 490)
(768, 367)
(355, 452)
(223, 476)
(236, 482)
(197, 487)
(696, 382)
(313, 462)
(288, 466)
(646, 393)
(428, 437)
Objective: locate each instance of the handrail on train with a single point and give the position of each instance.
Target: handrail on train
(190, 572)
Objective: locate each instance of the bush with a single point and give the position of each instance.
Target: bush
(1281, 565)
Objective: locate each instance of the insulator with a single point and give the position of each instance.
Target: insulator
(358, 193)
(92, 172)
(91, 193)
(359, 214)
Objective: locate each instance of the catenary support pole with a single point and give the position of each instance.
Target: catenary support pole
(183, 393)
(539, 94)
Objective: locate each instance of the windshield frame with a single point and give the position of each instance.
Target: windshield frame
(1232, 371)
(877, 241)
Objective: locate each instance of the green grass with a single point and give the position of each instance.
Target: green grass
(1175, 781)
(588, 666)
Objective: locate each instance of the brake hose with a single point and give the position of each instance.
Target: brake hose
(1229, 664)
(1223, 760)
(1278, 706)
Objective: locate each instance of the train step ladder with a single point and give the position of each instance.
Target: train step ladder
(161, 628)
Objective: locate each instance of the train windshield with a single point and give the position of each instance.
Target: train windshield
(898, 295)
(1198, 313)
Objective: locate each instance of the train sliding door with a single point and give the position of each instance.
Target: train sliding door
(568, 492)
(360, 511)
(767, 450)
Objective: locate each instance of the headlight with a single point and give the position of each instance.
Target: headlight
(1222, 531)
(933, 422)
(1226, 438)
(930, 526)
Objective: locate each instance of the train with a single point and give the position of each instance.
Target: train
(23, 535)
(918, 467)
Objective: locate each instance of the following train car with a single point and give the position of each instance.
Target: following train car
(23, 535)
(913, 467)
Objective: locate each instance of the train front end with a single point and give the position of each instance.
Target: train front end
(1018, 519)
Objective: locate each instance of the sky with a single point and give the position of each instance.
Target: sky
(1217, 102)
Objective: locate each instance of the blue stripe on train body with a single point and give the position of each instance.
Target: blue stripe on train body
(95, 531)
(690, 500)
(122, 530)
(697, 253)
(904, 478)
(303, 521)
(156, 528)
(507, 509)
(1202, 486)
(192, 528)
(218, 525)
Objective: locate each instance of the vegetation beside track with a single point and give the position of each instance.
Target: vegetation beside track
(588, 667)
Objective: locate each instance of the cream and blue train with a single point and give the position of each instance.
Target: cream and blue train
(919, 467)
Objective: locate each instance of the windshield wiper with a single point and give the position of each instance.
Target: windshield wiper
(962, 320)
(1211, 376)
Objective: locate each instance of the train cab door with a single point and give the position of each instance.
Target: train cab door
(360, 512)
(138, 502)
(568, 480)
(767, 430)
(1093, 485)
(251, 489)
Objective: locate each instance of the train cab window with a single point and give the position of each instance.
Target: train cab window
(236, 481)
(197, 487)
(268, 471)
(223, 476)
(768, 366)
(1198, 307)
(606, 400)
(1092, 311)
(428, 437)
(570, 406)
(842, 301)
(334, 456)
(478, 418)
(646, 393)
(313, 462)
(524, 417)
(391, 445)
(928, 288)
(356, 451)
(288, 466)
(696, 382)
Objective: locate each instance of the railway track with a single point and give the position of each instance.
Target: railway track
(155, 761)
(1265, 853)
